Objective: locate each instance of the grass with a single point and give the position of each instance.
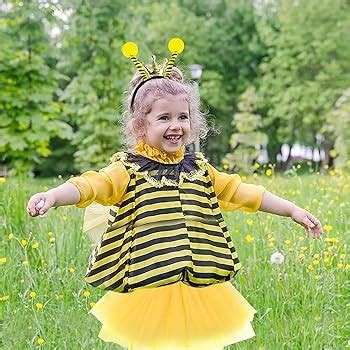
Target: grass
(296, 308)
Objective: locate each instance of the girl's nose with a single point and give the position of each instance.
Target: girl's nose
(175, 125)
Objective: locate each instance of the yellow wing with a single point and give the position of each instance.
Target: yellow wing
(95, 221)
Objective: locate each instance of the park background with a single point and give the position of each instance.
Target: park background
(275, 78)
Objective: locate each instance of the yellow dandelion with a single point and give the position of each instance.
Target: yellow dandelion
(86, 294)
(332, 172)
(347, 266)
(315, 262)
(11, 236)
(326, 260)
(23, 242)
(50, 233)
(92, 304)
(250, 222)
(310, 267)
(5, 298)
(40, 341)
(32, 294)
(244, 178)
(25, 263)
(269, 235)
(52, 240)
(340, 265)
(327, 227)
(301, 238)
(342, 256)
(287, 241)
(39, 305)
(303, 248)
(332, 240)
(325, 253)
(35, 245)
(330, 249)
(317, 277)
(3, 260)
(71, 269)
(268, 172)
(256, 165)
(255, 175)
(225, 166)
(270, 244)
(2, 180)
(249, 238)
(301, 256)
(291, 249)
(317, 318)
(316, 256)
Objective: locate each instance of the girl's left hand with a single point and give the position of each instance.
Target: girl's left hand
(308, 221)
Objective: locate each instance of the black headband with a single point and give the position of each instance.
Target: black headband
(139, 86)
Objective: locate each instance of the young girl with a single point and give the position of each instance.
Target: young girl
(166, 256)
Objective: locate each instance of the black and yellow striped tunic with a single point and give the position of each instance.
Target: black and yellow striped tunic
(167, 228)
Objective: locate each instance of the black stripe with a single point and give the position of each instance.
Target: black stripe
(158, 264)
(109, 265)
(149, 190)
(159, 240)
(204, 230)
(212, 264)
(211, 253)
(159, 252)
(159, 277)
(196, 203)
(157, 212)
(208, 241)
(113, 250)
(124, 215)
(127, 201)
(157, 200)
(161, 229)
(198, 193)
(209, 217)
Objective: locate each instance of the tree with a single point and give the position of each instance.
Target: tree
(28, 85)
(338, 128)
(306, 69)
(246, 138)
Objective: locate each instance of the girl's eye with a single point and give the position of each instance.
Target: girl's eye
(163, 117)
(184, 117)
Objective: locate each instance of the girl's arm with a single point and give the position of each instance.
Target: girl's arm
(65, 194)
(279, 206)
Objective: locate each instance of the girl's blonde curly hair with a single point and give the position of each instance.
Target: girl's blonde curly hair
(134, 116)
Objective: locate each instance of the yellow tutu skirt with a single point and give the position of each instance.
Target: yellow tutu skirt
(175, 316)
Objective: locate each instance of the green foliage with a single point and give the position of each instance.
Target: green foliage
(27, 101)
(246, 138)
(306, 68)
(338, 125)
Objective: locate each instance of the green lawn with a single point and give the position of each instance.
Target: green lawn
(43, 295)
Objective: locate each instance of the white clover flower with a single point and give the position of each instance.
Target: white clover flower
(277, 258)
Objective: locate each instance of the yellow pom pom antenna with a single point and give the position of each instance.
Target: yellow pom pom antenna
(176, 46)
(130, 50)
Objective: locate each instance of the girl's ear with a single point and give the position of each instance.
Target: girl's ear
(138, 127)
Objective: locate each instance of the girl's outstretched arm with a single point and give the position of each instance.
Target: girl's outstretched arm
(279, 206)
(65, 194)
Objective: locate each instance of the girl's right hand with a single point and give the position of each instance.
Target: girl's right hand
(40, 203)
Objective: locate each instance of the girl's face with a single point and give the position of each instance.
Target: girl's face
(168, 123)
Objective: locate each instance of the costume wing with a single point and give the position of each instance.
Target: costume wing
(95, 221)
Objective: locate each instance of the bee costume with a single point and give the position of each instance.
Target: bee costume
(165, 254)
